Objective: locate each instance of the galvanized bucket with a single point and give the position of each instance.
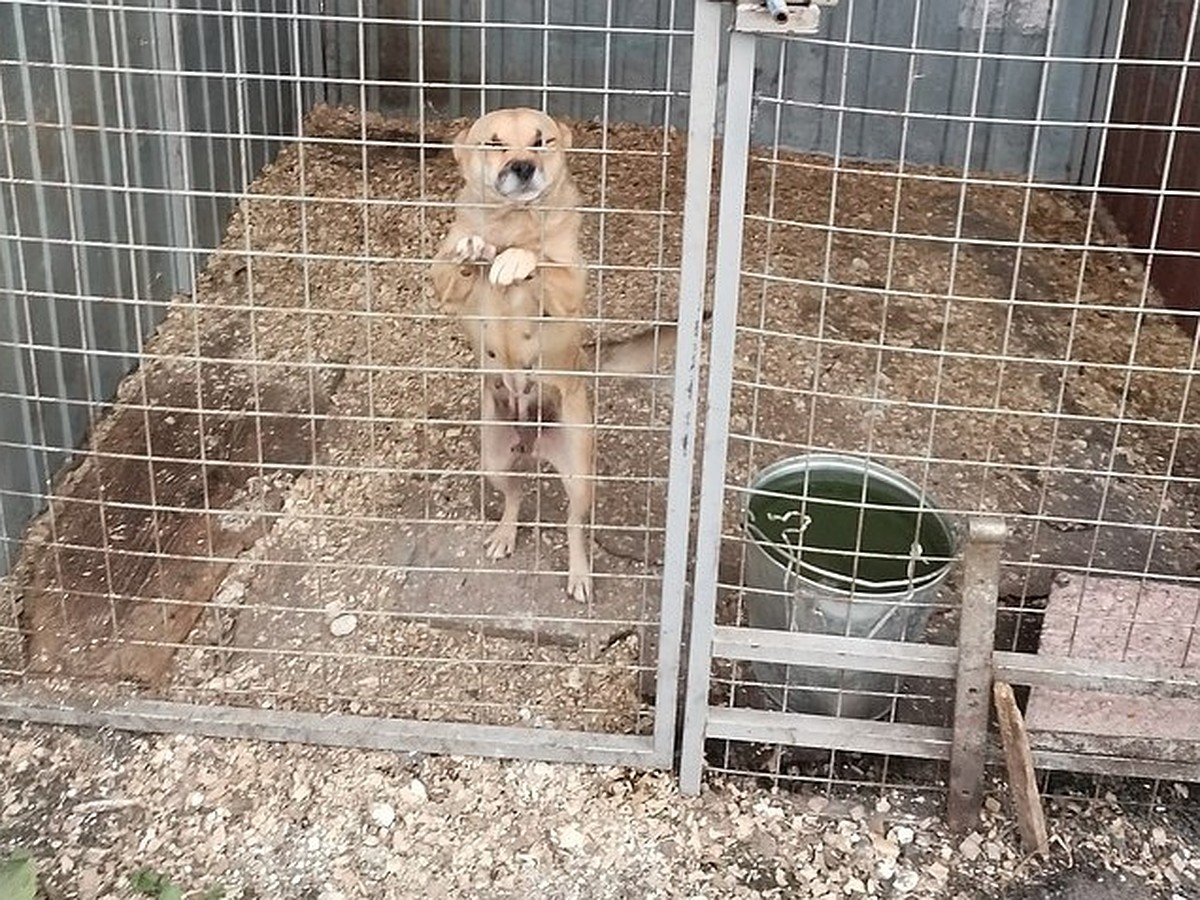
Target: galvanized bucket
(840, 545)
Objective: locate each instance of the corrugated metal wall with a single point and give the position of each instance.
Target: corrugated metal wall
(127, 139)
(126, 144)
(849, 90)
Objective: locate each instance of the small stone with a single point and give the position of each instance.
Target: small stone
(992, 805)
(570, 838)
(89, 883)
(816, 805)
(1158, 836)
(905, 881)
(854, 886)
(415, 792)
(970, 848)
(939, 872)
(902, 835)
(383, 814)
(343, 625)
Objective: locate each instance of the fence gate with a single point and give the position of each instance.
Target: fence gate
(245, 433)
(922, 317)
(780, 271)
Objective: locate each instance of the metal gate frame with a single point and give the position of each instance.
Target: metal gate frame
(972, 665)
(49, 705)
(969, 665)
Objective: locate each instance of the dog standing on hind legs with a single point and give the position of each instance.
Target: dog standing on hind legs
(510, 267)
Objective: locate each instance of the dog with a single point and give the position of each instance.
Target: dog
(510, 268)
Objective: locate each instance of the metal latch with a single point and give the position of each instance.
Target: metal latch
(780, 17)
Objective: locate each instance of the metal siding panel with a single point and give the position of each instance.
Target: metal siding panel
(92, 264)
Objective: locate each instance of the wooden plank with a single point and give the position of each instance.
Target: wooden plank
(828, 732)
(142, 531)
(834, 651)
(1146, 679)
(368, 732)
(976, 642)
(1116, 766)
(1022, 780)
(1164, 749)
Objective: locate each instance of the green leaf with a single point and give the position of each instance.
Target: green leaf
(155, 884)
(146, 881)
(216, 892)
(18, 879)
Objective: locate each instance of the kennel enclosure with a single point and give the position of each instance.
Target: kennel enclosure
(240, 491)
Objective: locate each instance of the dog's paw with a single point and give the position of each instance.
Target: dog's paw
(579, 585)
(502, 541)
(513, 265)
(473, 249)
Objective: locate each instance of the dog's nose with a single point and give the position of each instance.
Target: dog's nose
(522, 168)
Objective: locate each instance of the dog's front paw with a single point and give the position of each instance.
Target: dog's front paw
(513, 265)
(473, 249)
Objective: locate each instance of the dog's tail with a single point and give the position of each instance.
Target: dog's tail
(647, 352)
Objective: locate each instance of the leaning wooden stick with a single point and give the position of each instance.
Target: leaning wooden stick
(1022, 782)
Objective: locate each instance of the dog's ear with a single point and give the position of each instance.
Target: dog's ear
(564, 135)
(460, 145)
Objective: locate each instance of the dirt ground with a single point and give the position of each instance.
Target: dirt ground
(305, 823)
(364, 590)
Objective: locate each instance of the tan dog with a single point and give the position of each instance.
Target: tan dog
(511, 269)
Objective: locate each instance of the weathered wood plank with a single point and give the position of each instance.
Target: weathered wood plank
(1022, 780)
(828, 732)
(834, 651)
(976, 642)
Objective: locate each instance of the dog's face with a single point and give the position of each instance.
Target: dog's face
(515, 155)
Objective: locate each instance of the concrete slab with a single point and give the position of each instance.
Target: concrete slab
(1127, 621)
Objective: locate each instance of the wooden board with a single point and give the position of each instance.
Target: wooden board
(175, 484)
(1022, 780)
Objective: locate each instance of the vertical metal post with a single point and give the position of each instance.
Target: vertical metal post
(976, 642)
(739, 96)
(706, 36)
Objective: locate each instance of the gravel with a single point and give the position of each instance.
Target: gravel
(266, 820)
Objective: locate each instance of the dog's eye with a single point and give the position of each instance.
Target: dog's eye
(493, 142)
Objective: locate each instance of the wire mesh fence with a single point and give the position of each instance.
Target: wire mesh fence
(239, 435)
(265, 491)
(987, 327)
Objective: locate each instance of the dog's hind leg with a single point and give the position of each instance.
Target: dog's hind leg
(499, 459)
(568, 447)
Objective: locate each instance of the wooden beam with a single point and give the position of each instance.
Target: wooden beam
(828, 732)
(1145, 678)
(976, 643)
(834, 651)
(1022, 780)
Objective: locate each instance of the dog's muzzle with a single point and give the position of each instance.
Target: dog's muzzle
(521, 180)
